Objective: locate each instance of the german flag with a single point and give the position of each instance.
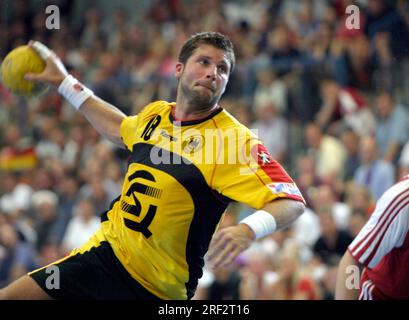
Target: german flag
(18, 160)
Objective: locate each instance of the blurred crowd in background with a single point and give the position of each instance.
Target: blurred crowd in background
(330, 103)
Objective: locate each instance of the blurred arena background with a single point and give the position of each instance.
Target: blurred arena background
(330, 103)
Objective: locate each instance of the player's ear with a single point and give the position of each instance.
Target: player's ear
(179, 69)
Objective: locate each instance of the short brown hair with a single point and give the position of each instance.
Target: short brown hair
(215, 39)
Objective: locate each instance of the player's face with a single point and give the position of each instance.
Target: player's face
(203, 78)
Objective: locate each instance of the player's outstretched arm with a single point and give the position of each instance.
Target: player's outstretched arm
(228, 243)
(104, 117)
(343, 289)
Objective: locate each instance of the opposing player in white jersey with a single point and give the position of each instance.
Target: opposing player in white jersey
(382, 249)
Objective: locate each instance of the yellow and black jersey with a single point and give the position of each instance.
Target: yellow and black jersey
(180, 179)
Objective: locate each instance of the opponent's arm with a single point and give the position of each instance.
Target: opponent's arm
(104, 117)
(228, 243)
(342, 292)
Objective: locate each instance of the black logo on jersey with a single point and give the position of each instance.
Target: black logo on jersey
(150, 127)
(163, 133)
(135, 209)
(192, 144)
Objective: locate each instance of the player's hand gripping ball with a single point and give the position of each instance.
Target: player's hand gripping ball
(16, 64)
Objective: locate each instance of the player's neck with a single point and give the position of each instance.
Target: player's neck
(185, 111)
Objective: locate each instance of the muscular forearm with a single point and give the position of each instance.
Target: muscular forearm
(229, 242)
(344, 290)
(104, 117)
(284, 211)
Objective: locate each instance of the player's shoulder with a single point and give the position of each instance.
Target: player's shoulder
(156, 107)
(400, 187)
(226, 122)
(152, 109)
(149, 111)
(397, 193)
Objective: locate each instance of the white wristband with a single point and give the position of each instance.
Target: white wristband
(74, 91)
(261, 222)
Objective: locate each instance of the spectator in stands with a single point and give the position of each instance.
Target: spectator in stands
(356, 222)
(382, 16)
(374, 173)
(327, 151)
(359, 199)
(350, 140)
(326, 196)
(45, 210)
(343, 107)
(82, 225)
(272, 128)
(392, 129)
(15, 195)
(16, 256)
(270, 89)
(293, 282)
(333, 242)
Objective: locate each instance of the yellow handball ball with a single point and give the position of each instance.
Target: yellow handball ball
(16, 64)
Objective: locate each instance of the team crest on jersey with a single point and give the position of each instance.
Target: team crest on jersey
(192, 144)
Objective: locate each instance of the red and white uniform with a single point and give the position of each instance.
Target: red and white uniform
(382, 247)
